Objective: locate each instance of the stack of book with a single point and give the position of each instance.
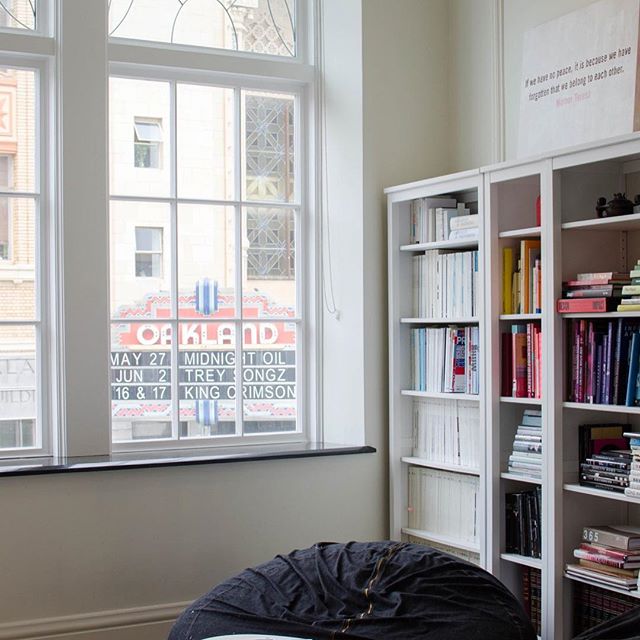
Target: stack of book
(445, 285)
(604, 358)
(593, 605)
(444, 504)
(605, 458)
(447, 432)
(445, 359)
(631, 291)
(526, 459)
(521, 361)
(523, 522)
(435, 223)
(592, 292)
(608, 556)
(531, 595)
(633, 490)
(522, 278)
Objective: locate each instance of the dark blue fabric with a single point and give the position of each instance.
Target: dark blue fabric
(623, 627)
(356, 591)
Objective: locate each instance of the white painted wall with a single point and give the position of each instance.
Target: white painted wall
(471, 28)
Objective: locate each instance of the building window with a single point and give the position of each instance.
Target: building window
(148, 252)
(147, 143)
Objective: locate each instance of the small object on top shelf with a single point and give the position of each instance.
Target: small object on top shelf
(636, 204)
(619, 205)
(538, 211)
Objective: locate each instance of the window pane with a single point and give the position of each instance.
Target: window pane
(269, 377)
(207, 379)
(205, 142)
(17, 129)
(140, 282)
(140, 381)
(147, 131)
(268, 146)
(17, 259)
(269, 268)
(206, 261)
(18, 14)
(138, 166)
(258, 26)
(18, 414)
(148, 239)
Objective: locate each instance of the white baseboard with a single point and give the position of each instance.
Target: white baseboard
(87, 623)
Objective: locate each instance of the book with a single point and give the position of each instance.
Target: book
(601, 577)
(507, 280)
(584, 305)
(624, 537)
(634, 354)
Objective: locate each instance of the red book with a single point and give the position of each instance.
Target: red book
(529, 360)
(519, 361)
(507, 373)
(584, 305)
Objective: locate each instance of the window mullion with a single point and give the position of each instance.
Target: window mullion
(175, 328)
(239, 176)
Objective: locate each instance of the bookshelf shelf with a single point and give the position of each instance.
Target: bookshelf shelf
(448, 540)
(511, 400)
(505, 475)
(525, 561)
(439, 320)
(421, 462)
(442, 244)
(633, 594)
(617, 223)
(601, 493)
(521, 233)
(520, 317)
(441, 396)
(609, 408)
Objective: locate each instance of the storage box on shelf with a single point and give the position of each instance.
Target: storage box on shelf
(436, 431)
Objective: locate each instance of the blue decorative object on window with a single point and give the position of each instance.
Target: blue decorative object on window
(207, 412)
(206, 296)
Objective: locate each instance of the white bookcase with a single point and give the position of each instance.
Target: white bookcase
(463, 188)
(572, 240)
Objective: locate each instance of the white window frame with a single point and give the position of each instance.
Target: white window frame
(73, 306)
(179, 64)
(47, 422)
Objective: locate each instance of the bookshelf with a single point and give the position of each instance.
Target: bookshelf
(572, 240)
(435, 410)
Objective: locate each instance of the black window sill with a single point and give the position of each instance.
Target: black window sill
(174, 458)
